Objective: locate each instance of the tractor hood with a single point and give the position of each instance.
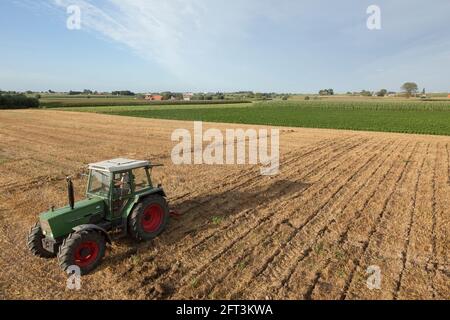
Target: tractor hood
(60, 222)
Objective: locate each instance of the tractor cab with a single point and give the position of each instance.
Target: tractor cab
(120, 197)
(117, 182)
(118, 178)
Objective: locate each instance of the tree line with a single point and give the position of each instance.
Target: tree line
(17, 101)
(408, 88)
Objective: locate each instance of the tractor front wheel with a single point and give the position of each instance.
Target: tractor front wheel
(84, 249)
(149, 218)
(34, 242)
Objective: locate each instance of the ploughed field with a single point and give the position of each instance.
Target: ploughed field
(343, 201)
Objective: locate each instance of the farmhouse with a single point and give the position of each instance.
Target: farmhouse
(153, 97)
(187, 96)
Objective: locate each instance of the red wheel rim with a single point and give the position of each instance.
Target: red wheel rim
(86, 253)
(152, 218)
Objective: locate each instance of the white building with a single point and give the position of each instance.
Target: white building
(187, 96)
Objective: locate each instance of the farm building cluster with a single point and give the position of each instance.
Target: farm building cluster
(158, 97)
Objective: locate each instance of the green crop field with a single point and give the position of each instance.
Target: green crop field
(154, 106)
(415, 116)
(77, 102)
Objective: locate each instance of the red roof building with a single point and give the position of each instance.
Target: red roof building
(154, 97)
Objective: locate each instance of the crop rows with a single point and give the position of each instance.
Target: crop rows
(342, 202)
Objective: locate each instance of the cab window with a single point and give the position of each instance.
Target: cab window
(99, 183)
(122, 185)
(140, 179)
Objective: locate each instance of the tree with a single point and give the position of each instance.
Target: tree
(123, 93)
(219, 96)
(17, 101)
(382, 93)
(326, 92)
(166, 95)
(410, 88)
(198, 96)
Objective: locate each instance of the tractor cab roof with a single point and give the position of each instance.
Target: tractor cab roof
(119, 164)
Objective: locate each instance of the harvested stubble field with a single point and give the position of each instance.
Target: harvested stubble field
(343, 201)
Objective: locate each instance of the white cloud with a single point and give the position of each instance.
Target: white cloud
(140, 25)
(174, 33)
(178, 34)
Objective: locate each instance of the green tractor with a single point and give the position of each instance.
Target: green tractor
(120, 199)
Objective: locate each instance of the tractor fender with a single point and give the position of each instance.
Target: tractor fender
(86, 227)
(160, 191)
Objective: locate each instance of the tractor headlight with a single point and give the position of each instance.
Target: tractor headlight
(45, 226)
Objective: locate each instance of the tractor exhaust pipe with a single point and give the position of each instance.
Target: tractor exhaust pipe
(70, 193)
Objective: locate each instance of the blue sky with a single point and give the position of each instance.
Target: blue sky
(212, 45)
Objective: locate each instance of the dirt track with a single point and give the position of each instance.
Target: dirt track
(343, 201)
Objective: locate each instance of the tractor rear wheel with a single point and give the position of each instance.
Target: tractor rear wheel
(34, 242)
(84, 249)
(149, 218)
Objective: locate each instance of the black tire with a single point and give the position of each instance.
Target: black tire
(34, 243)
(149, 218)
(84, 249)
